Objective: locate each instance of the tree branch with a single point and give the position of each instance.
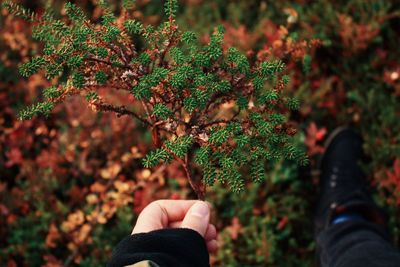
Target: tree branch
(105, 62)
(120, 110)
(196, 185)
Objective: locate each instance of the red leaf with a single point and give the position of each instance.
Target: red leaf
(282, 223)
(314, 136)
(14, 157)
(11, 263)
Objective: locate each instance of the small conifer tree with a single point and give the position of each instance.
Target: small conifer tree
(180, 85)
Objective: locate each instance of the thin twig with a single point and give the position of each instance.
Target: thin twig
(221, 120)
(215, 122)
(120, 110)
(195, 185)
(146, 109)
(99, 60)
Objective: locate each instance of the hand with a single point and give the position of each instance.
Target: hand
(192, 214)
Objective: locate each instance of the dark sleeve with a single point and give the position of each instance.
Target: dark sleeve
(167, 247)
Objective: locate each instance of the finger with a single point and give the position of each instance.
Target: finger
(159, 213)
(175, 224)
(212, 246)
(211, 233)
(197, 218)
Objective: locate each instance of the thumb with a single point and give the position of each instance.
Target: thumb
(197, 218)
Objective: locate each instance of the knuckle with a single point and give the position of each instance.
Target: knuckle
(159, 202)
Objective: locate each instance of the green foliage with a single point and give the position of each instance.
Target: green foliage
(91, 96)
(219, 136)
(142, 90)
(19, 11)
(277, 119)
(75, 62)
(53, 70)
(232, 176)
(189, 37)
(242, 102)
(154, 157)
(239, 60)
(269, 96)
(202, 156)
(242, 140)
(257, 171)
(171, 7)
(32, 67)
(144, 59)
(180, 146)
(111, 34)
(101, 77)
(258, 83)
(108, 18)
(78, 80)
(128, 4)
(190, 104)
(180, 77)
(74, 13)
(223, 86)
(179, 82)
(269, 69)
(133, 26)
(162, 111)
(51, 92)
(286, 79)
(177, 55)
(293, 103)
(307, 63)
(42, 108)
(102, 52)
(209, 175)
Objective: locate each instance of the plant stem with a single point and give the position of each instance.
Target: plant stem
(120, 110)
(195, 184)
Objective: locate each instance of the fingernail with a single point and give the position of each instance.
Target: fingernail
(200, 209)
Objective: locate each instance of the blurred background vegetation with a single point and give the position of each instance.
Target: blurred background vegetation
(72, 185)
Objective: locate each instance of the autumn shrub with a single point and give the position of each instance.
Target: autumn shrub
(180, 86)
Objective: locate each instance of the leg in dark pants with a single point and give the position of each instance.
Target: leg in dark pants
(356, 244)
(349, 227)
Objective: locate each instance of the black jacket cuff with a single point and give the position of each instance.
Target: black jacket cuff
(166, 247)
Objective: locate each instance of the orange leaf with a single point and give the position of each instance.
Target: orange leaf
(111, 171)
(52, 236)
(235, 228)
(282, 223)
(97, 187)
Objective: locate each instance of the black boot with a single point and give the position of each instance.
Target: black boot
(344, 187)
